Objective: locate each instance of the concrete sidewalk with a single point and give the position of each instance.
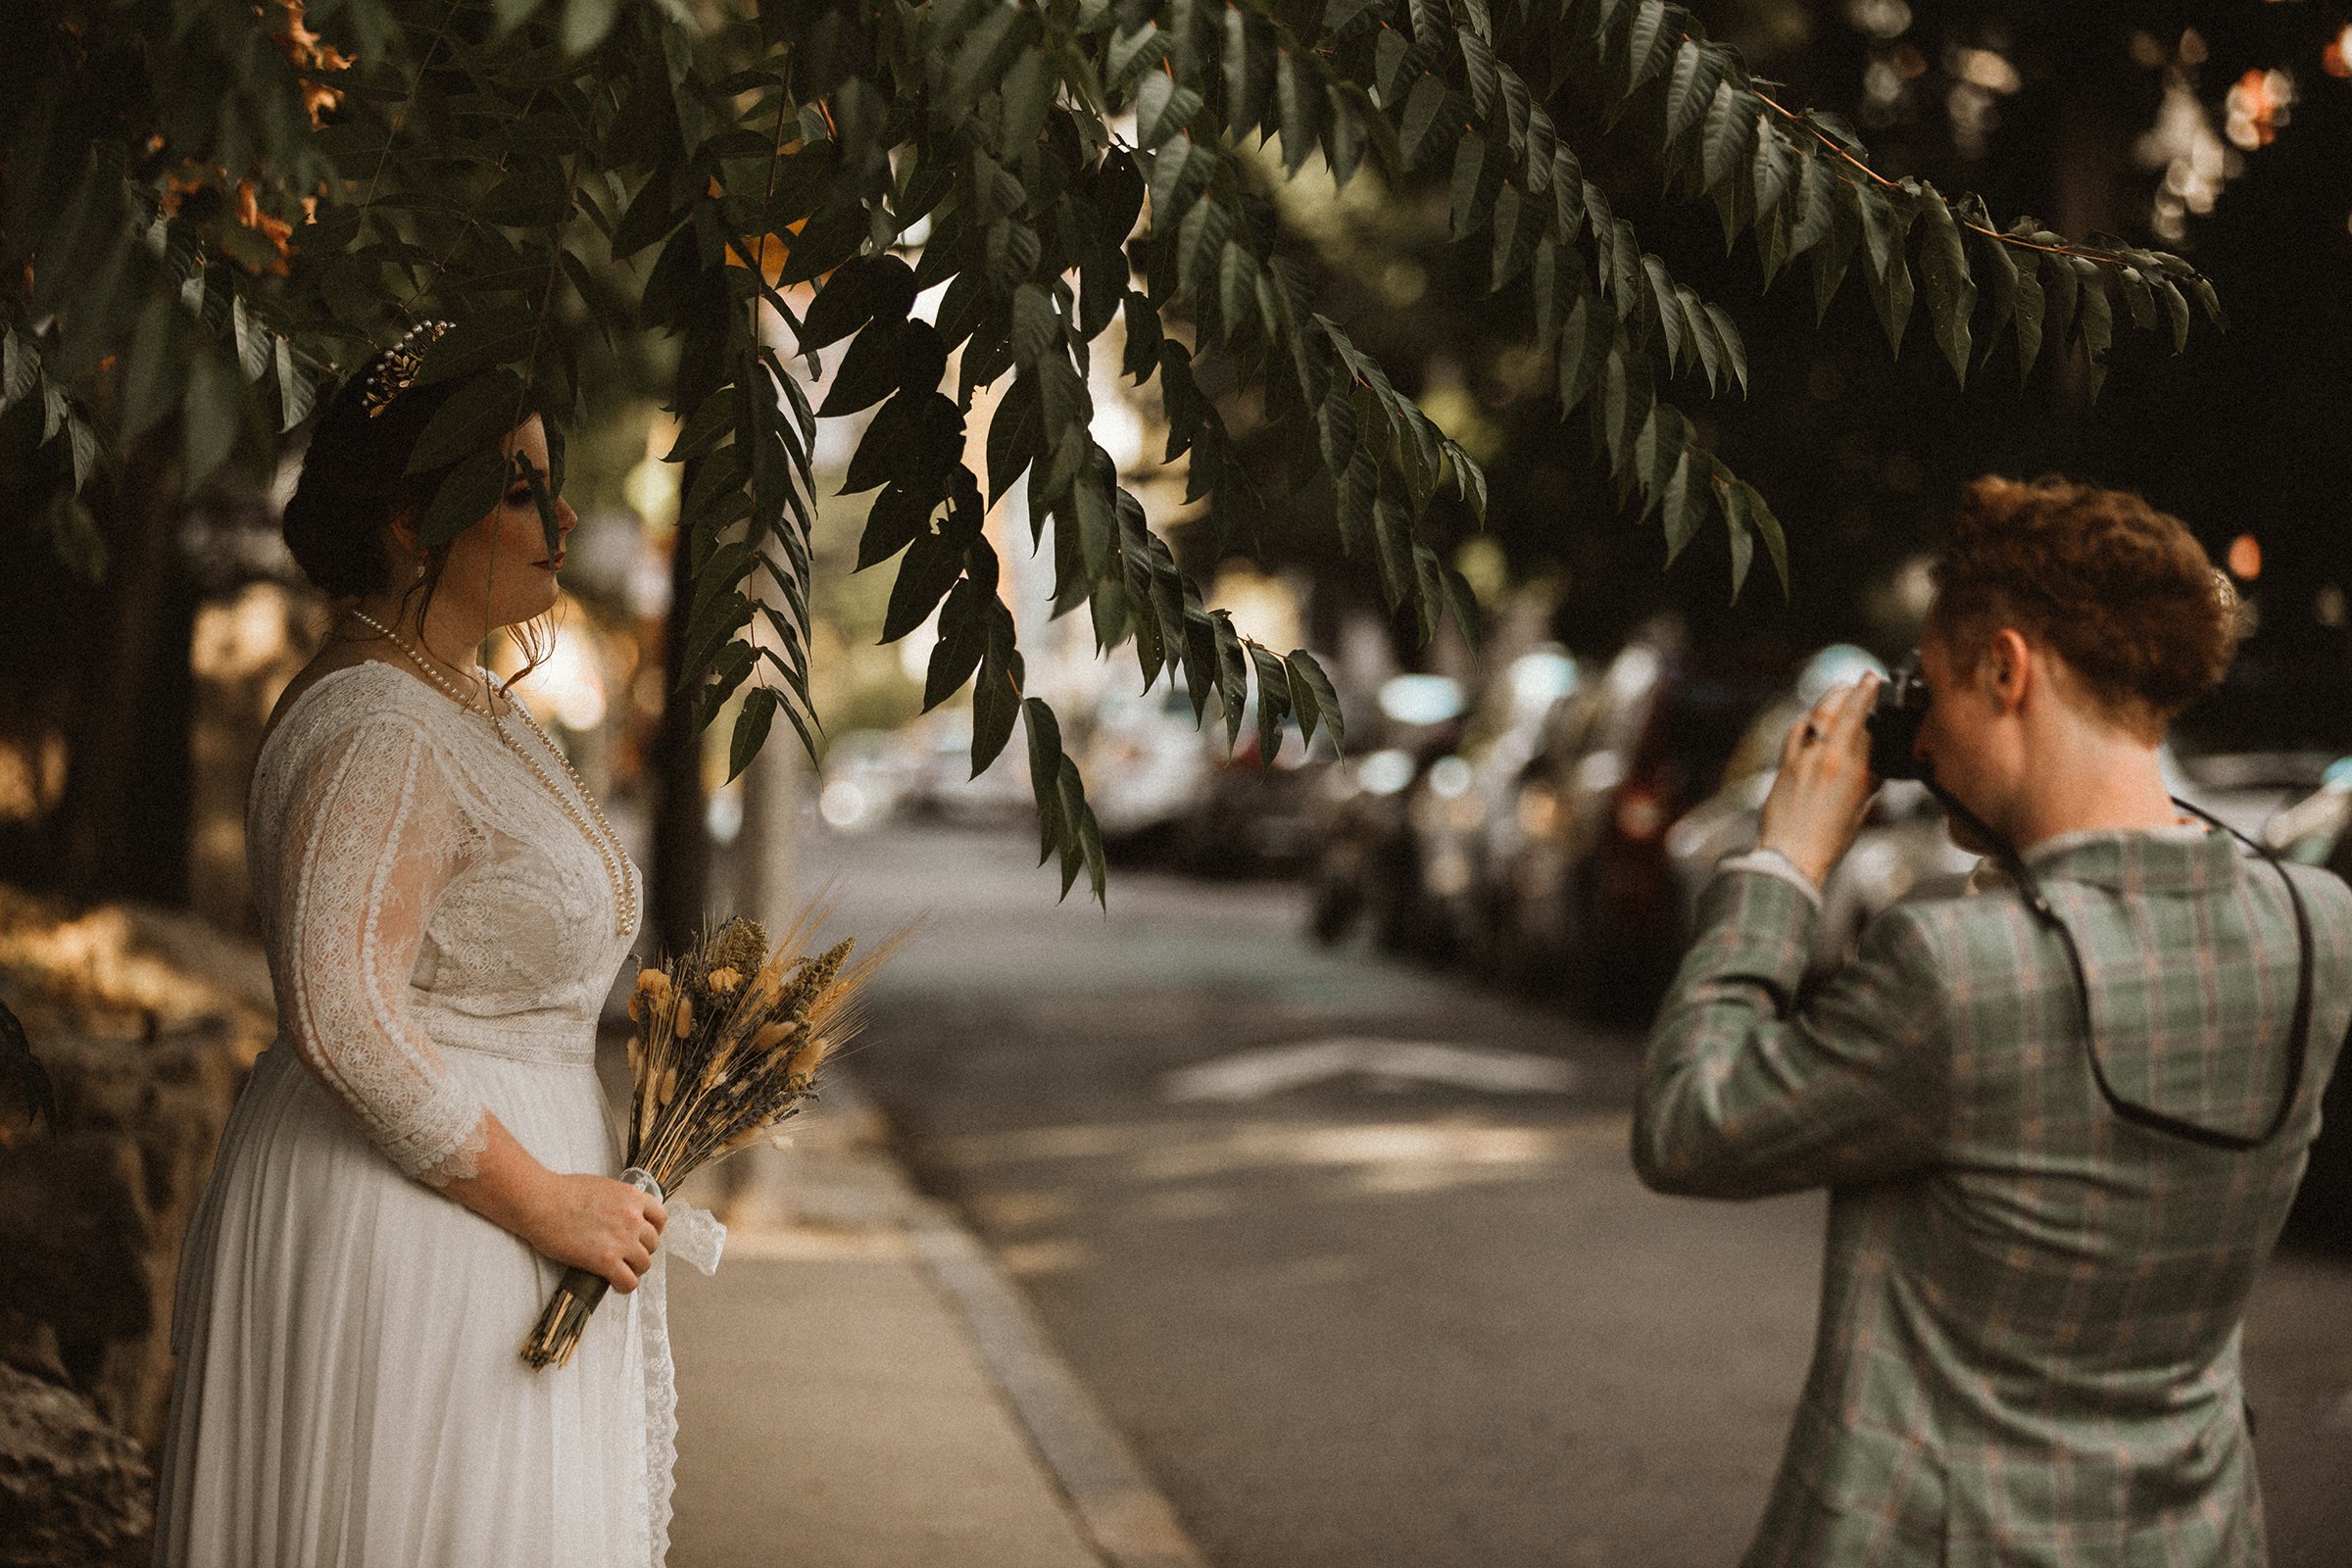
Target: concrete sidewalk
(859, 1386)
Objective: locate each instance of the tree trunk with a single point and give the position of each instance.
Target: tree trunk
(681, 879)
(126, 809)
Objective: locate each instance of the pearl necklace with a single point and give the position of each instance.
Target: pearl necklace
(604, 841)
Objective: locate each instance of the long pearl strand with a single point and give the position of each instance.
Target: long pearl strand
(604, 840)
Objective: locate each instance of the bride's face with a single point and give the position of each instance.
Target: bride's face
(499, 571)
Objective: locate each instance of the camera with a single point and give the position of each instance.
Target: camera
(1894, 719)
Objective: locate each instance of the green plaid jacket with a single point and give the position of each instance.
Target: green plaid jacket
(2028, 1343)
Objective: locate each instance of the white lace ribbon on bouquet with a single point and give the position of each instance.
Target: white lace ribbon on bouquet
(691, 1235)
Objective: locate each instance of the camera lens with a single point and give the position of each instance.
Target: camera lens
(1894, 720)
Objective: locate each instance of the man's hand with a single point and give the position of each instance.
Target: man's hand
(1825, 785)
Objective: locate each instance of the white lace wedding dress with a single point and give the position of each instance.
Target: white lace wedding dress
(348, 1387)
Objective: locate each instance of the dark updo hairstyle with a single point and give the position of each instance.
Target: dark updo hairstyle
(2122, 592)
(354, 482)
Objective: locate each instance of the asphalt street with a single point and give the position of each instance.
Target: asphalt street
(1351, 1252)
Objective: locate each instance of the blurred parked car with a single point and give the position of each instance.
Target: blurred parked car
(1452, 808)
(1247, 820)
(942, 745)
(868, 778)
(1360, 861)
(1147, 763)
(1585, 899)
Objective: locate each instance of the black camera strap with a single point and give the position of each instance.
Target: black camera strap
(2298, 1043)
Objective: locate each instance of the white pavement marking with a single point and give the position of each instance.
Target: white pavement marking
(1270, 1070)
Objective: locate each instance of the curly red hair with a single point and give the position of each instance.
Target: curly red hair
(2122, 592)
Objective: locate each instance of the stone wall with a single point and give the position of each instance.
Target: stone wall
(147, 1022)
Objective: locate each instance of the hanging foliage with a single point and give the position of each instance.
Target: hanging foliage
(210, 205)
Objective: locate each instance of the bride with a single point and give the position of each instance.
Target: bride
(425, 1147)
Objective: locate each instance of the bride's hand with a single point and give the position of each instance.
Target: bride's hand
(605, 1226)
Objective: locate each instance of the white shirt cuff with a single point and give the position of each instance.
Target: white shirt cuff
(1772, 862)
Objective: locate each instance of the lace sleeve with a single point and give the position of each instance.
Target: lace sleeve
(372, 835)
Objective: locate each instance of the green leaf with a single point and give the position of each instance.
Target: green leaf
(1044, 773)
(996, 694)
(2176, 310)
(2000, 277)
(1703, 335)
(2098, 324)
(1733, 499)
(1200, 245)
(297, 391)
(1013, 435)
(1162, 109)
(1237, 290)
(1774, 168)
(153, 388)
(1419, 121)
(1314, 699)
(963, 622)
(1479, 68)
(2061, 288)
(1467, 617)
(1469, 156)
(1892, 297)
(1300, 102)
(2138, 297)
(1775, 543)
(1735, 345)
(1273, 703)
(1685, 506)
(532, 197)
(1511, 244)
(1661, 298)
(476, 415)
(1028, 93)
(895, 521)
(928, 571)
(1036, 329)
(2202, 287)
(1650, 45)
(1233, 676)
(751, 723)
(1011, 254)
(214, 402)
(1951, 292)
(2029, 320)
(468, 494)
(1082, 841)
(1584, 350)
(1470, 479)
(1132, 53)
(1730, 130)
(1690, 89)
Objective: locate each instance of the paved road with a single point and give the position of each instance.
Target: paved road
(1371, 1318)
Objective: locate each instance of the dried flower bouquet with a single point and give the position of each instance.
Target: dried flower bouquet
(728, 1042)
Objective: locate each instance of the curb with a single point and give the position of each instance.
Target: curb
(1123, 1516)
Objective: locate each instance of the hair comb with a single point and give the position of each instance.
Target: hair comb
(397, 371)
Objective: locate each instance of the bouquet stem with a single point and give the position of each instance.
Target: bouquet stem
(566, 1316)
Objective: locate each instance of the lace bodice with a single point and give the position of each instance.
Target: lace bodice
(419, 888)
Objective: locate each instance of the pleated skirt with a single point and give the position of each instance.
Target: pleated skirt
(350, 1392)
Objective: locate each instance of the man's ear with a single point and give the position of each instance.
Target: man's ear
(2007, 667)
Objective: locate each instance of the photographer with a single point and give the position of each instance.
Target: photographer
(2061, 1117)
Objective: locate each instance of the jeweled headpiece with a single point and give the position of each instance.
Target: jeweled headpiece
(397, 371)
